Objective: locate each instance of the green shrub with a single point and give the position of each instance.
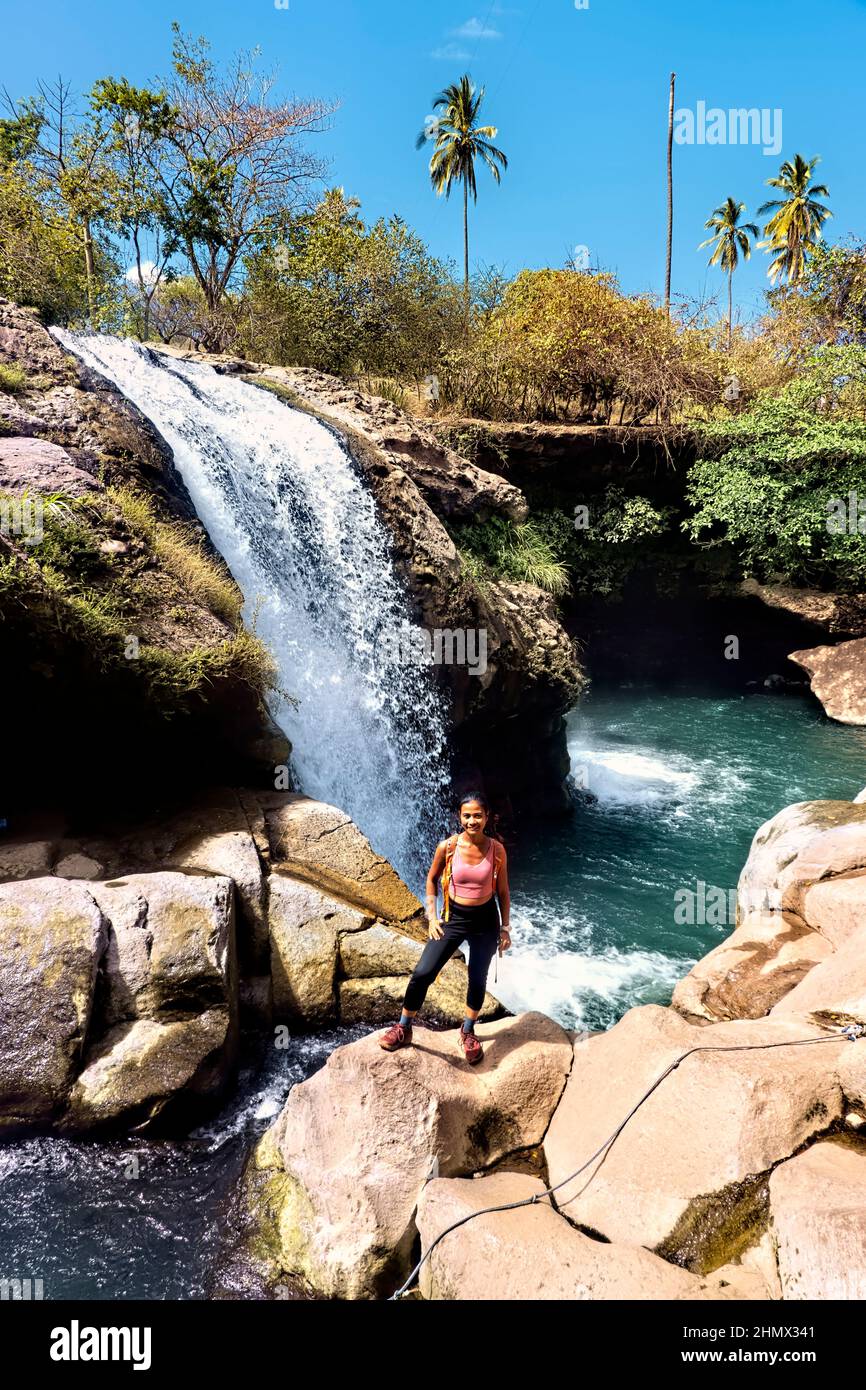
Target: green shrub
(12, 378)
(770, 480)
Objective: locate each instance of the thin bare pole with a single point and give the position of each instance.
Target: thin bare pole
(670, 197)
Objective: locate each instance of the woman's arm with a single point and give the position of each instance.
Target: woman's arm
(433, 876)
(504, 894)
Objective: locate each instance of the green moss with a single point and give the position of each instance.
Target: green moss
(12, 378)
(716, 1228)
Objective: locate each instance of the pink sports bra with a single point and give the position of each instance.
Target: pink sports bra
(473, 882)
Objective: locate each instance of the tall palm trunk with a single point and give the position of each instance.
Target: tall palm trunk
(466, 255)
(730, 307)
(670, 197)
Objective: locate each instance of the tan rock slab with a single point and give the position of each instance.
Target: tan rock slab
(818, 1205)
(779, 841)
(837, 908)
(837, 676)
(139, 1068)
(319, 843)
(171, 946)
(835, 987)
(532, 1253)
(684, 1175)
(355, 1143)
(833, 852)
(759, 963)
(304, 925)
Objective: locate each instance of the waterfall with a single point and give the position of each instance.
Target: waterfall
(286, 506)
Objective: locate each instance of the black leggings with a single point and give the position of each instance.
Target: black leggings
(479, 925)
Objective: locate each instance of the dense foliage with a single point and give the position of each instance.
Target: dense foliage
(781, 485)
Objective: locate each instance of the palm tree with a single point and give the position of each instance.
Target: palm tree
(797, 218)
(459, 142)
(730, 239)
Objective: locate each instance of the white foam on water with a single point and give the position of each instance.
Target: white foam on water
(288, 509)
(572, 984)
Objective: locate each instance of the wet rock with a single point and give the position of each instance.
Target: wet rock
(141, 1069)
(52, 936)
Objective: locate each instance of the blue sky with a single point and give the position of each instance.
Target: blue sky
(579, 96)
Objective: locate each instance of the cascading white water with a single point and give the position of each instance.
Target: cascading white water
(284, 503)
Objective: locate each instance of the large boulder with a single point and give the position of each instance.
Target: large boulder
(836, 907)
(41, 468)
(829, 854)
(171, 948)
(687, 1175)
(767, 955)
(834, 991)
(320, 845)
(532, 1252)
(782, 840)
(818, 1206)
(305, 928)
(150, 1070)
(52, 937)
(218, 834)
(336, 1180)
(837, 676)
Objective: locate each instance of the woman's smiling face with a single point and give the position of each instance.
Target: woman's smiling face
(473, 817)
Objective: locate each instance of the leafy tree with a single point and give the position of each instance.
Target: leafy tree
(139, 121)
(228, 162)
(795, 226)
(347, 298)
(730, 240)
(459, 143)
(766, 484)
(567, 343)
(65, 156)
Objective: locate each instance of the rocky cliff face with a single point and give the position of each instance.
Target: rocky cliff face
(119, 620)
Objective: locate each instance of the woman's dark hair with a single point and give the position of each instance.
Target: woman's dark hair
(474, 796)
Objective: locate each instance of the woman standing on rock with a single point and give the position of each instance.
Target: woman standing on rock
(473, 870)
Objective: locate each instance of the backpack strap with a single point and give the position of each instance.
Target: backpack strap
(497, 861)
(450, 846)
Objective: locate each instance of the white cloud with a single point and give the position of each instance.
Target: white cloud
(474, 29)
(149, 273)
(452, 52)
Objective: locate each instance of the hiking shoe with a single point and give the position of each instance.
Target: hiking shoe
(471, 1046)
(396, 1036)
